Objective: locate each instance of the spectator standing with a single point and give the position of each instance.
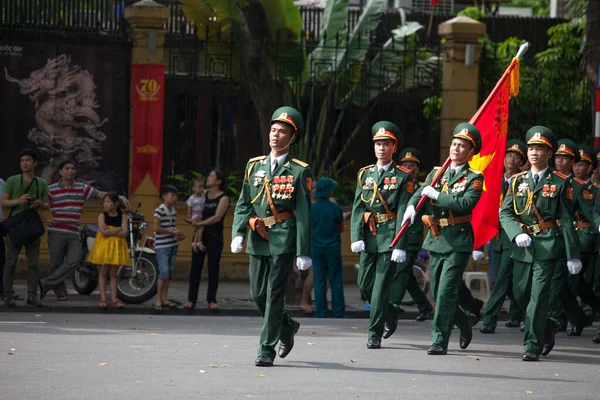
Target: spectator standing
(21, 192)
(66, 199)
(110, 248)
(2, 246)
(327, 223)
(166, 243)
(215, 208)
(195, 206)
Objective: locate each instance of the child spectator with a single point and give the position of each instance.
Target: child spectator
(195, 206)
(166, 243)
(110, 248)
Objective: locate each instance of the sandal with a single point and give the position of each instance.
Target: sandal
(306, 308)
(61, 298)
(213, 306)
(102, 304)
(189, 305)
(170, 305)
(117, 304)
(157, 308)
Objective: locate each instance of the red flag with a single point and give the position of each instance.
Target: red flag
(434, 2)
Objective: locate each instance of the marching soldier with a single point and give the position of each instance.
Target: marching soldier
(382, 191)
(450, 238)
(514, 158)
(404, 279)
(275, 204)
(536, 205)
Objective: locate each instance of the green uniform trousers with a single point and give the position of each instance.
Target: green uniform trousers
(562, 300)
(374, 279)
(404, 280)
(327, 263)
(502, 288)
(531, 288)
(446, 270)
(268, 283)
(584, 280)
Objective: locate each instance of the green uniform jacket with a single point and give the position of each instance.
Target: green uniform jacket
(459, 195)
(584, 197)
(395, 193)
(290, 236)
(503, 242)
(552, 197)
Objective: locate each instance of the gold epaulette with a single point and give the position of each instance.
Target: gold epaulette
(368, 166)
(401, 168)
(300, 163)
(475, 171)
(519, 174)
(560, 174)
(259, 158)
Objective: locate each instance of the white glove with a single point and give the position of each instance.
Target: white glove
(237, 244)
(523, 240)
(410, 213)
(398, 256)
(358, 246)
(303, 263)
(430, 192)
(477, 255)
(574, 266)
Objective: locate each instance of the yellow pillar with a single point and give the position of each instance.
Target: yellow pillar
(147, 19)
(460, 81)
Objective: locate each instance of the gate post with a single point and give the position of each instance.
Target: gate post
(459, 80)
(147, 20)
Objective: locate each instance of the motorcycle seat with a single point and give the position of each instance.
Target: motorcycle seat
(90, 229)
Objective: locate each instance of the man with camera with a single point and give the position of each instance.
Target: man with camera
(22, 192)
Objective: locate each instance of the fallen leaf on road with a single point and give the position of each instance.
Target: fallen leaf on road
(259, 375)
(202, 371)
(224, 366)
(352, 361)
(213, 365)
(528, 392)
(102, 364)
(11, 354)
(477, 358)
(310, 343)
(313, 333)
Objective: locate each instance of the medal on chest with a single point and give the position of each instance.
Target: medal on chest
(369, 183)
(259, 177)
(522, 189)
(459, 186)
(549, 191)
(283, 187)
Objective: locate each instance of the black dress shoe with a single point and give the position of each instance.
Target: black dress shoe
(596, 339)
(576, 330)
(10, 302)
(530, 356)
(422, 317)
(34, 301)
(511, 323)
(285, 346)
(522, 327)
(42, 290)
(466, 335)
(436, 350)
(551, 340)
(263, 361)
(391, 326)
(373, 344)
(487, 329)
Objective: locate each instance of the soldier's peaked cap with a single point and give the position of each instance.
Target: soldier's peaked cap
(587, 153)
(290, 116)
(567, 147)
(386, 130)
(541, 135)
(470, 133)
(517, 146)
(411, 154)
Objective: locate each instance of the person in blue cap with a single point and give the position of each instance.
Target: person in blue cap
(327, 223)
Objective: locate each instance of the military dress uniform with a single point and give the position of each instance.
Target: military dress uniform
(450, 242)
(502, 255)
(273, 214)
(538, 207)
(381, 196)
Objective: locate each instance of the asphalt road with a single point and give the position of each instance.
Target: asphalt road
(112, 356)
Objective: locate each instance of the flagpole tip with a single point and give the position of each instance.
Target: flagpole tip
(522, 50)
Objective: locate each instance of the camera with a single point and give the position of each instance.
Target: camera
(32, 200)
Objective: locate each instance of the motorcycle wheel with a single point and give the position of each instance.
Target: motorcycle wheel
(83, 284)
(142, 287)
(419, 274)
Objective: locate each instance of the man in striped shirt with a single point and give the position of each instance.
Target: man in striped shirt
(66, 204)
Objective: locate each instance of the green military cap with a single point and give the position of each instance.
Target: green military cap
(541, 135)
(385, 130)
(411, 154)
(586, 153)
(567, 147)
(469, 133)
(517, 146)
(290, 116)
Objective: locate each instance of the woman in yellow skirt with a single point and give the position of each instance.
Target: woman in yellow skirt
(110, 248)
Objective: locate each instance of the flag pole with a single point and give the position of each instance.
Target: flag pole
(438, 175)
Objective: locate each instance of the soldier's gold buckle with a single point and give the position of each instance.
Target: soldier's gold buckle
(380, 218)
(534, 229)
(443, 222)
(269, 221)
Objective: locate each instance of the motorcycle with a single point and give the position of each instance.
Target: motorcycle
(136, 283)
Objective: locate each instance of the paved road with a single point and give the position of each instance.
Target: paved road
(112, 356)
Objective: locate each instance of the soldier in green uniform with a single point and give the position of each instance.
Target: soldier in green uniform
(537, 217)
(275, 204)
(514, 158)
(382, 191)
(403, 279)
(450, 238)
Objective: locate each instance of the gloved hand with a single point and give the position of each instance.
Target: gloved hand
(398, 256)
(410, 213)
(303, 263)
(358, 246)
(477, 255)
(523, 240)
(237, 244)
(574, 265)
(430, 192)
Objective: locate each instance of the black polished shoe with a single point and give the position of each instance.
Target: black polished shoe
(285, 346)
(422, 317)
(391, 326)
(511, 323)
(522, 327)
(42, 290)
(575, 330)
(487, 329)
(466, 335)
(9, 301)
(436, 350)
(476, 312)
(530, 356)
(373, 344)
(551, 340)
(34, 301)
(263, 361)
(596, 339)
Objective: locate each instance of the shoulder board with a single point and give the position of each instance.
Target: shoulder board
(401, 168)
(368, 166)
(259, 158)
(475, 171)
(300, 163)
(519, 174)
(437, 167)
(559, 174)
(579, 181)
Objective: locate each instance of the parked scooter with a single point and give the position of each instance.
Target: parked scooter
(136, 282)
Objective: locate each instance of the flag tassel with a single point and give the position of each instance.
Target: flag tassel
(515, 79)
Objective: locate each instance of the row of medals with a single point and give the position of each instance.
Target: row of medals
(282, 187)
(547, 190)
(388, 183)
